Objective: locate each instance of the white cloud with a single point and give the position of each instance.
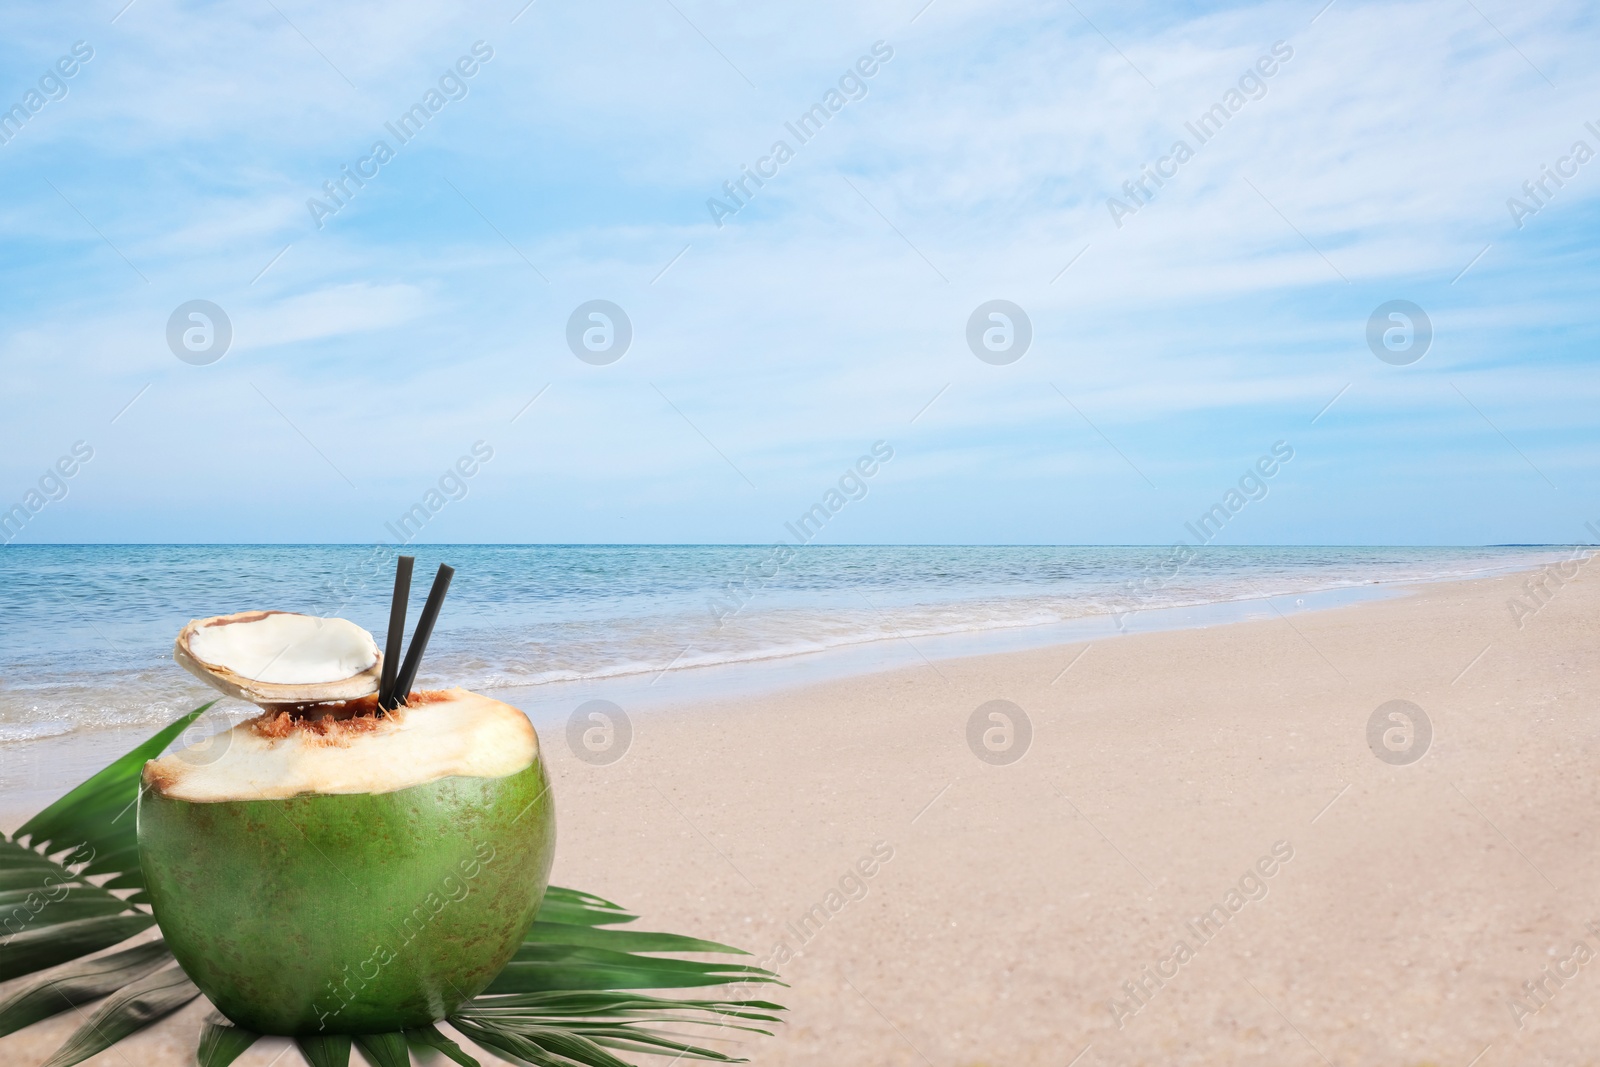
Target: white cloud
(810, 323)
(337, 311)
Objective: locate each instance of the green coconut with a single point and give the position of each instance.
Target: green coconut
(327, 869)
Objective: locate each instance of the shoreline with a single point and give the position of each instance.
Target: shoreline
(1024, 912)
(823, 625)
(76, 754)
(1024, 899)
(764, 673)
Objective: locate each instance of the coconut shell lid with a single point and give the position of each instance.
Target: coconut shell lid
(272, 658)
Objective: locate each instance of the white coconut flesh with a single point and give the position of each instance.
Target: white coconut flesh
(448, 732)
(279, 657)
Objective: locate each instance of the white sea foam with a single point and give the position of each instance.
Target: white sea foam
(86, 640)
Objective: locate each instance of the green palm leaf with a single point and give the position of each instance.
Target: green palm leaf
(131, 1009)
(384, 1050)
(540, 966)
(561, 1046)
(623, 1021)
(577, 1007)
(49, 910)
(221, 1044)
(563, 1000)
(428, 1038)
(23, 870)
(58, 902)
(80, 983)
(98, 815)
(330, 1051)
(47, 945)
(577, 908)
(535, 1046)
(560, 933)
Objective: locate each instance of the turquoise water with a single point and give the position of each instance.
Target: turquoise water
(86, 632)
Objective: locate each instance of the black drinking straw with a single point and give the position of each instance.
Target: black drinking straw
(397, 632)
(419, 640)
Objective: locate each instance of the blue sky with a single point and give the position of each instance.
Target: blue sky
(369, 354)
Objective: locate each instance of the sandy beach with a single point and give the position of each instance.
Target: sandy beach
(944, 910)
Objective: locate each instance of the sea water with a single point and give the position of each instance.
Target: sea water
(86, 631)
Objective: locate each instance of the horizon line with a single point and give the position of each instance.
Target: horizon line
(753, 544)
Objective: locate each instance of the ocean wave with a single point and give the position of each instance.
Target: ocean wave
(532, 617)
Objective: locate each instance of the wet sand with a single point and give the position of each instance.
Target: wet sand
(1210, 788)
